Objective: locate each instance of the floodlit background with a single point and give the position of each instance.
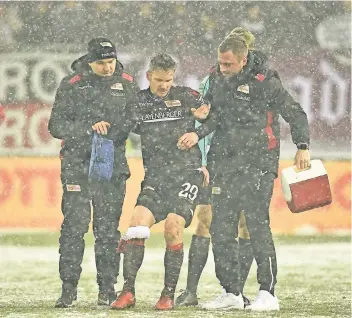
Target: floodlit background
(308, 42)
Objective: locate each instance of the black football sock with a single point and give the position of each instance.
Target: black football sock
(172, 261)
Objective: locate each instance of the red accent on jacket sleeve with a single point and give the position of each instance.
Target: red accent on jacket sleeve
(75, 79)
(272, 142)
(127, 77)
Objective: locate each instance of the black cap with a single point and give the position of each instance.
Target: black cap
(100, 48)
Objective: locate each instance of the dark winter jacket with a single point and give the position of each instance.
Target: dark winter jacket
(83, 99)
(245, 112)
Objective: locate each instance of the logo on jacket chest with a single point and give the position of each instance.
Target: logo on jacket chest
(243, 88)
(85, 86)
(117, 86)
(242, 93)
(242, 97)
(117, 89)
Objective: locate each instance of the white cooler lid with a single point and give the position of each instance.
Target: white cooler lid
(291, 175)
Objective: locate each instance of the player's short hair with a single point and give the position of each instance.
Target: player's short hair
(162, 61)
(246, 34)
(236, 44)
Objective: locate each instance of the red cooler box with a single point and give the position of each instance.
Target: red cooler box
(306, 189)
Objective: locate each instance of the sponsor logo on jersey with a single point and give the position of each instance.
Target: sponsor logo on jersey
(215, 190)
(173, 103)
(144, 104)
(117, 86)
(162, 116)
(73, 187)
(243, 88)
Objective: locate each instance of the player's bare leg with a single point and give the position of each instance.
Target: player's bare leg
(173, 233)
(197, 257)
(204, 221)
(135, 237)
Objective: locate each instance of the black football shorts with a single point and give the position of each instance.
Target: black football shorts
(165, 192)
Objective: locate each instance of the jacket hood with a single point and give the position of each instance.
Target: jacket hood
(256, 63)
(80, 65)
(259, 60)
(259, 64)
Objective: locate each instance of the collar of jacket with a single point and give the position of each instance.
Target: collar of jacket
(94, 78)
(246, 71)
(156, 97)
(260, 61)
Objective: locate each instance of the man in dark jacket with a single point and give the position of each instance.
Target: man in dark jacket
(198, 253)
(245, 104)
(93, 115)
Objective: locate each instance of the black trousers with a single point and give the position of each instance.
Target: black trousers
(107, 200)
(232, 192)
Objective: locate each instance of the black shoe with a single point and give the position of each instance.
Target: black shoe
(246, 301)
(187, 299)
(106, 298)
(68, 296)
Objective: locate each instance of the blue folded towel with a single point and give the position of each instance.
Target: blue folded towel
(102, 158)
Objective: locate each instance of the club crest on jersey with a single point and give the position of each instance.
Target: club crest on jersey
(173, 103)
(117, 86)
(243, 88)
(215, 190)
(73, 187)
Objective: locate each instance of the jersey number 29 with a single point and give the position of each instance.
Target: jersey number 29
(189, 191)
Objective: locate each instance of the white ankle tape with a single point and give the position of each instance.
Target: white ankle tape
(140, 232)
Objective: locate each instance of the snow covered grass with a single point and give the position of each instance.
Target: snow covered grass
(314, 281)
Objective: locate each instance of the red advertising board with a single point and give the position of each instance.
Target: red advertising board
(30, 197)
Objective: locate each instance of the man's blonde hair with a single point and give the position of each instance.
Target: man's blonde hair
(236, 44)
(246, 34)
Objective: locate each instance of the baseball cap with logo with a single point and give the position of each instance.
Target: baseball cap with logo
(100, 48)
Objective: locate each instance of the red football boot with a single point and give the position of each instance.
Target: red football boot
(164, 303)
(125, 300)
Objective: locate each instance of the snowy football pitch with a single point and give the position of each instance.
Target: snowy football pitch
(314, 280)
